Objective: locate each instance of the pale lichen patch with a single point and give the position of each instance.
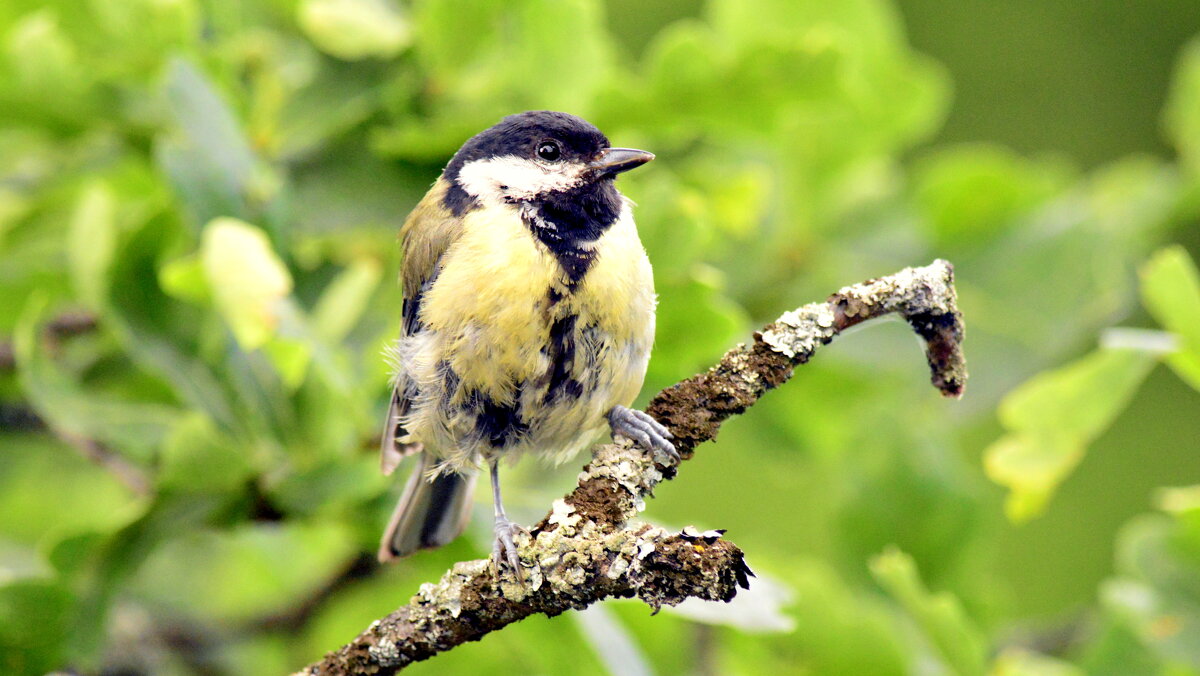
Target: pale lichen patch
(801, 331)
(386, 652)
(563, 515)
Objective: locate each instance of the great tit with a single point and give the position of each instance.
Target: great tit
(527, 320)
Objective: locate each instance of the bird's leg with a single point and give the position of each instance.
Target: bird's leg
(642, 430)
(504, 548)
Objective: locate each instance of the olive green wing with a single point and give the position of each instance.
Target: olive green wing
(426, 235)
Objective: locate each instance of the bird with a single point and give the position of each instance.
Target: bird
(527, 322)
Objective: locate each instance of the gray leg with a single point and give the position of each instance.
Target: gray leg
(504, 548)
(640, 428)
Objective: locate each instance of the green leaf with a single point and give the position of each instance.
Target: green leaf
(205, 154)
(490, 59)
(128, 427)
(92, 242)
(42, 55)
(971, 193)
(336, 483)
(1171, 292)
(34, 625)
(48, 492)
(1053, 417)
(538, 53)
(116, 558)
(1154, 596)
(249, 282)
(1032, 469)
(251, 570)
(291, 358)
(193, 381)
(1019, 662)
(1181, 500)
(339, 98)
(139, 33)
(1080, 399)
(752, 22)
(1182, 113)
(164, 338)
(197, 458)
(451, 34)
(355, 29)
(345, 299)
(940, 616)
(839, 629)
(184, 278)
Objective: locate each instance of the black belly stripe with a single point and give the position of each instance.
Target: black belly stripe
(497, 424)
(561, 351)
(500, 424)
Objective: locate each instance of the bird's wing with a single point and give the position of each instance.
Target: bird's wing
(429, 230)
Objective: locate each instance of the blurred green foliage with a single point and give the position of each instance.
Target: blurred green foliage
(191, 486)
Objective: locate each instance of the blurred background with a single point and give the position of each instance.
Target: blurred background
(199, 203)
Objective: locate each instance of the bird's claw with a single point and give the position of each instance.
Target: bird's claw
(643, 430)
(504, 549)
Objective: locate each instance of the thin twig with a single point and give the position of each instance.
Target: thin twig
(99, 454)
(63, 326)
(20, 416)
(591, 547)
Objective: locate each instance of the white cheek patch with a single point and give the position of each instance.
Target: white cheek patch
(517, 178)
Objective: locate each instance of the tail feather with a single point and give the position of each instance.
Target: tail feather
(392, 450)
(431, 512)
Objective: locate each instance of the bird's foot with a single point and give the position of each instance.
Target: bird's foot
(504, 549)
(643, 430)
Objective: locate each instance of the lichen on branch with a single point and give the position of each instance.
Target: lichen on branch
(591, 546)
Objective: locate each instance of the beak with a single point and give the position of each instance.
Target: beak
(613, 161)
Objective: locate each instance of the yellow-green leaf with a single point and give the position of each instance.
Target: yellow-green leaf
(940, 616)
(1020, 662)
(184, 278)
(248, 281)
(92, 240)
(290, 357)
(196, 458)
(1182, 116)
(1031, 467)
(1053, 417)
(1178, 500)
(345, 299)
(1171, 292)
(1078, 400)
(41, 55)
(355, 29)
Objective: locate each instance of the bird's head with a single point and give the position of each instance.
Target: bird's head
(534, 157)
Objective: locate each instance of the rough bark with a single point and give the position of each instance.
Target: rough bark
(591, 546)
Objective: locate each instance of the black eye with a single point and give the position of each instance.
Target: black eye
(549, 151)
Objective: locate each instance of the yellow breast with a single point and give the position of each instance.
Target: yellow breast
(491, 306)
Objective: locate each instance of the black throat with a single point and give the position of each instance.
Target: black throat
(570, 222)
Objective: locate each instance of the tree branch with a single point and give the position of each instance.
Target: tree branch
(591, 547)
